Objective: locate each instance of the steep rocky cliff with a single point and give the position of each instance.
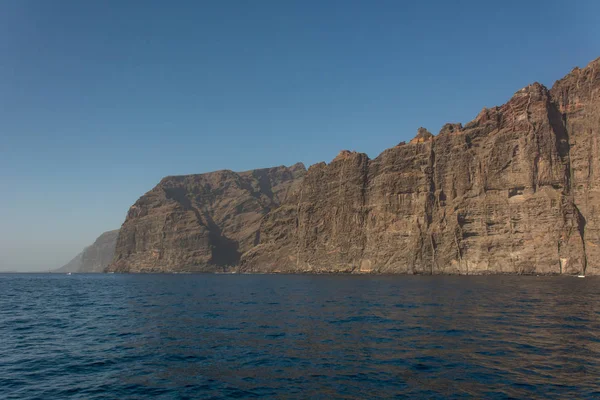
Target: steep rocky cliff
(516, 190)
(94, 258)
(201, 222)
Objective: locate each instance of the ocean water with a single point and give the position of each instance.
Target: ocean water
(298, 336)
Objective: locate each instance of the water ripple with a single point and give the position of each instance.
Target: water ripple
(293, 336)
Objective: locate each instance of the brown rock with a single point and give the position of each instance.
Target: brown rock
(200, 222)
(423, 135)
(577, 97)
(516, 190)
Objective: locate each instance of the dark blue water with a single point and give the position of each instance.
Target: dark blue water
(286, 336)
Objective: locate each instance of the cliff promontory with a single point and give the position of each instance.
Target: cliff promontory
(201, 222)
(516, 190)
(95, 257)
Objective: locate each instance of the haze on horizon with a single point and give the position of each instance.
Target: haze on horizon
(99, 101)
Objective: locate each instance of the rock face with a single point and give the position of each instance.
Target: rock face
(94, 258)
(201, 222)
(516, 190)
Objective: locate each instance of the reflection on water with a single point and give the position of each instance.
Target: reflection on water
(298, 336)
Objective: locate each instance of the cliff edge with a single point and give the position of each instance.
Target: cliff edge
(516, 190)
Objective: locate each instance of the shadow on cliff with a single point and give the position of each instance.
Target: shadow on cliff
(225, 251)
(558, 122)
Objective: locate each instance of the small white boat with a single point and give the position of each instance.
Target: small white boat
(581, 276)
(68, 273)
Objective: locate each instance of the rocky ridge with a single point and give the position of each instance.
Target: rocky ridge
(94, 258)
(516, 190)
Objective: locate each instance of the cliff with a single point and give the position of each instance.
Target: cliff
(513, 191)
(94, 258)
(201, 222)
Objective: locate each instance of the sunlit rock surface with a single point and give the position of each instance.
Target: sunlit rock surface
(516, 190)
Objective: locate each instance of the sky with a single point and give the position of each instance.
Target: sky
(100, 100)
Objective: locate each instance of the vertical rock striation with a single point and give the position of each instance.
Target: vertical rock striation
(200, 222)
(577, 97)
(516, 190)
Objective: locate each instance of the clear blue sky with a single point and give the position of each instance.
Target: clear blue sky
(100, 99)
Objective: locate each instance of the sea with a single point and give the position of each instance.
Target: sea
(204, 336)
